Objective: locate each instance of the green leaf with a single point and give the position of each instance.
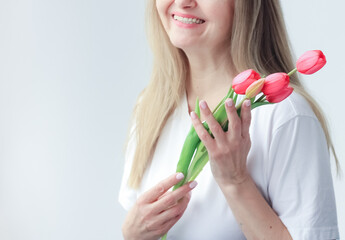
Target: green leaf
(258, 104)
(199, 161)
(235, 98)
(261, 98)
(197, 107)
(188, 149)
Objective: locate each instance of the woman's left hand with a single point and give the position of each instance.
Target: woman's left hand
(228, 150)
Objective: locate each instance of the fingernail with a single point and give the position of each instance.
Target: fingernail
(193, 184)
(247, 103)
(203, 104)
(179, 176)
(229, 102)
(193, 115)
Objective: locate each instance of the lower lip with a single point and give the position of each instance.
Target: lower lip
(186, 25)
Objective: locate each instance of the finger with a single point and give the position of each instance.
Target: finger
(245, 118)
(172, 198)
(234, 120)
(173, 213)
(165, 227)
(204, 136)
(214, 126)
(154, 193)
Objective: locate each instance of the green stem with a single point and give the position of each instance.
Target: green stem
(228, 95)
(261, 98)
(240, 104)
(292, 71)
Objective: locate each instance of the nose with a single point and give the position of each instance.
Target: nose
(186, 3)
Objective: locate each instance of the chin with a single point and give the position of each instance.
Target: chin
(183, 43)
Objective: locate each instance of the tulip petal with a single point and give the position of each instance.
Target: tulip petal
(311, 62)
(243, 80)
(283, 94)
(255, 88)
(275, 82)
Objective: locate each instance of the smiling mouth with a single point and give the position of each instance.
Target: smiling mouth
(188, 20)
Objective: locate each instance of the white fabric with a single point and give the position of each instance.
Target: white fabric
(289, 162)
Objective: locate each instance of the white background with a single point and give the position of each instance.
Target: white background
(70, 71)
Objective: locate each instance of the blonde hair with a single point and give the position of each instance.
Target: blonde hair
(258, 40)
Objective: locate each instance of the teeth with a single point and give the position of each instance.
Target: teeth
(188, 20)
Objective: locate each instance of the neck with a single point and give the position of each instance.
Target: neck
(210, 76)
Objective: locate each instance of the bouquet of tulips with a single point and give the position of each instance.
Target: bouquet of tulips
(274, 88)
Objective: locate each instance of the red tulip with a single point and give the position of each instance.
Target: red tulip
(243, 80)
(280, 96)
(275, 82)
(311, 62)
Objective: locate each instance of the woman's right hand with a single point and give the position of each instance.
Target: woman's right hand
(157, 210)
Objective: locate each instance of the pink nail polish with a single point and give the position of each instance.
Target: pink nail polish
(203, 104)
(193, 184)
(229, 103)
(247, 103)
(179, 176)
(193, 115)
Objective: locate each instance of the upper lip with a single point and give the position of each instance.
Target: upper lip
(186, 15)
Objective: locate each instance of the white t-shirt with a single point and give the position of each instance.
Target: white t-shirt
(288, 160)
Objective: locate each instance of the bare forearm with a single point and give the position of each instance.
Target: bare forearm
(256, 217)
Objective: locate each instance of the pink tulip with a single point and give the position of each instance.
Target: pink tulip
(311, 62)
(275, 82)
(243, 80)
(280, 96)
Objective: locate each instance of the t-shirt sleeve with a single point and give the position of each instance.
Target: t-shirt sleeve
(127, 195)
(300, 186)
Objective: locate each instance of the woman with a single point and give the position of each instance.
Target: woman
(269, 175)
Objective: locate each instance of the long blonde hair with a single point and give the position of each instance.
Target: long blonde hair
(258, 40)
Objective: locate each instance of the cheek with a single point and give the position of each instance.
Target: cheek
(162, 9)
(224, 13)
(159, 8)
(163, 6)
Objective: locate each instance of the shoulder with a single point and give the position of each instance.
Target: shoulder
(295, 107)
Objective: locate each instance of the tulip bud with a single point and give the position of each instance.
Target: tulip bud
(275, 82)
(280, 96)
(255, 88)
(311, 62)
(243, 80)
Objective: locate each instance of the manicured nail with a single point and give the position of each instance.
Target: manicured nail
(203, 104)
(193, 184)
(229, 102)
(179, 176)
(247, 103)
(193, 115)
